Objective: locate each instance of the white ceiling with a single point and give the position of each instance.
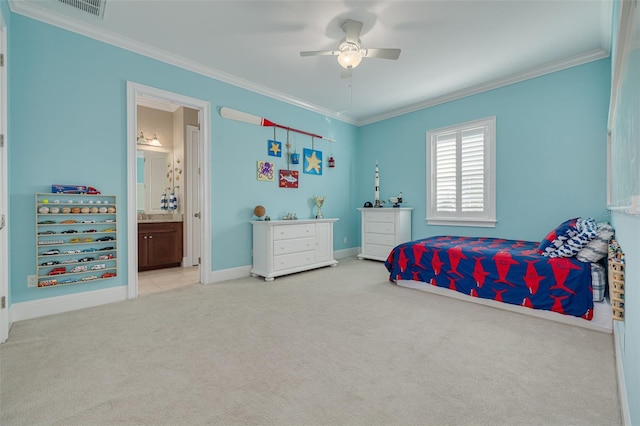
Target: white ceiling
(449, 48)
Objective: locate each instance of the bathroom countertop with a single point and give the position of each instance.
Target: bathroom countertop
(158, 218)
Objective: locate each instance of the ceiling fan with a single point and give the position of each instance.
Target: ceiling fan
(350, 53)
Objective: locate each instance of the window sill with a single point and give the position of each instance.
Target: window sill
(478, 223)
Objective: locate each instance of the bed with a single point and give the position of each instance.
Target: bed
(522, 276)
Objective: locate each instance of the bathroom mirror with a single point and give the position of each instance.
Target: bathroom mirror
(155, 175)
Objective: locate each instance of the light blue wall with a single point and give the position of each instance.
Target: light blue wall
(550, 152)
(67, 125)
(628, 236)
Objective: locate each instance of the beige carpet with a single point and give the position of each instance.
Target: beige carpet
(336, 346)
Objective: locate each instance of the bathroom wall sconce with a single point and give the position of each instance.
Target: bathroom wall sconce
(144, 141)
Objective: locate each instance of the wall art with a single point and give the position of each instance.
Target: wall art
(274, 148)
(312, 161)
(288, 179)
(265, 171)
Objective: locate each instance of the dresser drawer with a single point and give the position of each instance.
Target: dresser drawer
(383, 239)
(379, 216)
(294, 231)
(293, 260)
(293, 245)
(378, 250)
(379, 228)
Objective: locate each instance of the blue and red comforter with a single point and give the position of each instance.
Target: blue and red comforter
(508, 271)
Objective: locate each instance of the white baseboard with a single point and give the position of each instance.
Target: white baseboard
(622, 387)
(228, 274)
(71, 302)
(339, 254)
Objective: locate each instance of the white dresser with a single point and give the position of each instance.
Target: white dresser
(383, 229)
(283, 247)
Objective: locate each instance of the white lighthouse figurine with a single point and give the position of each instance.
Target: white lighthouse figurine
(377, 198)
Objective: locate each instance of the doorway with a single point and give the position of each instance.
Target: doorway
(4, 200)
(143, 95)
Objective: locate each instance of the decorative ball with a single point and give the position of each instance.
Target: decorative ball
(111, 209)
(259, 211)
(54, 210)
(102, 209)
(66, 210)
(45, 201)
(43, 210)
(75, 210)
(84, 210)
(94, 210)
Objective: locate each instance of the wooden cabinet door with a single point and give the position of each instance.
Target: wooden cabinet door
(143, 250)
(163, 247)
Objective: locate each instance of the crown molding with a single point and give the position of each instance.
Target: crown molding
(495, 84)
(58, 20)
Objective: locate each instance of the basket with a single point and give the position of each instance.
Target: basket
(616, 288)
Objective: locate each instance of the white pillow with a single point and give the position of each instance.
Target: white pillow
(597, 248)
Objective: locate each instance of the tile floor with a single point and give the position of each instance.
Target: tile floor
(166, 279)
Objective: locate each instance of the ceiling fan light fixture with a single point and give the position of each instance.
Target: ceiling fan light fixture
(349, 58)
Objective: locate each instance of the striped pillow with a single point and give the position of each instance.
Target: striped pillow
(596, 249)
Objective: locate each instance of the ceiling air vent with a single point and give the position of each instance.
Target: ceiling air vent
(93, 7)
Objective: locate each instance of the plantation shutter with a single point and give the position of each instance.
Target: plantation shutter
(446, 173)
(460, 183)
(472, 170)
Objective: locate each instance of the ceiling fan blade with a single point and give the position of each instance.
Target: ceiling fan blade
(382, 53)
(320, 52)
(345, 72)
(352, 30)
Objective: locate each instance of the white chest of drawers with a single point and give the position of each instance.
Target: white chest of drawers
(382, 230)
(282, 247)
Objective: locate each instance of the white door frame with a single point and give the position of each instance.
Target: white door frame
(4, 189)
(134, 92)
(192, 251)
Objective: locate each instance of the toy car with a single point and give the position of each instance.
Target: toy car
(47, 222)
(106, 248)
(68, 221)
(109, 230)
(46, 233)
(88, 250)
(49, 263)
(74, 189)
(68, 261)
(87, 240)
(51, 252)
(79, 268)
(69, 231)
(98, 266)
(105, 256)
(107, 238)
(47, 283)
(72, 252)
(108, 275)
(57, 271)
(86, 259)
(74, 240)
(88, 221)
(67, 282)
(89, 278)
(90, 230)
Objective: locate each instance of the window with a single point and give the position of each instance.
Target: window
(461, 174)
